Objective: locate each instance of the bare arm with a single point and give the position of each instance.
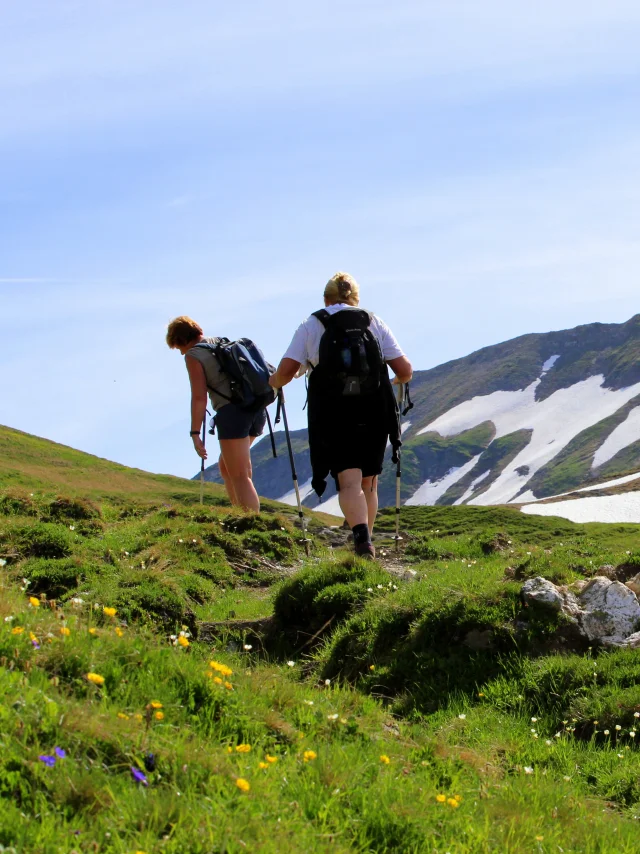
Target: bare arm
(287, 369)
(402, 368)
(198, 401)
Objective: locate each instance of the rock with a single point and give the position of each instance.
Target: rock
(607, 571)
(542, 593)
(409, 575)
(601, 610)
(634, 584)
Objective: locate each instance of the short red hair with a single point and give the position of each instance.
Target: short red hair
(181, 331)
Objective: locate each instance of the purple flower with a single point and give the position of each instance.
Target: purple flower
(50, 761)
(138, 776)
(35, 644)
(150, 762)
(60, 753)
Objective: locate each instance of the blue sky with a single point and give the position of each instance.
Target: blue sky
(473, 164)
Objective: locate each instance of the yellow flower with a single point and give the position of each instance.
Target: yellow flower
(138, 718)
(217, 680)
(159, 716)
(119, 631)
(17, 630)
(95, 678)
(271, 759)
(385, 759)
(64, 631)
(441, 799)
(372, 667)
(229, 749)
(35, 603)
(458, 798)
(453, 803)
(33, 638)
(263, 764)
(539, 838)
(93, 631)
(243, 748)
(155, 704)
(309, 755)
(183, 641)
(228, 686)
(222, 669)
(110, 612)
(122, 716)
(243, 784)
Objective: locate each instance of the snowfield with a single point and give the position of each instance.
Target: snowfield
(529, 497)
(554, 421)
(607, 508)
(429, 492)
(623, 435)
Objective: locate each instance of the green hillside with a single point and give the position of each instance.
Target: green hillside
(185, 679)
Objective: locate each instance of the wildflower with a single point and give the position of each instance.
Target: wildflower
(60, 753)
(308, 702)
(182, 641)
(632, 733)
(3, 562)
(138, 776)
(95, 678)
(222, 669)
(271, 759)
(636, 714)
(534, 720)
(384, 759)
(243, 784)
(327, 682)
(8, 619)
(528, 769)
(247, 647)
(64, 631)
(291, 664)
(369, 589)
(150, 762)
(309, 755)
(138, 718)
(558, 735)
(77, 601)
(217, 680)
(453, 803)
(17, 630)
(372, 667)
(618, 727)
(548, 742)
(122, 716)
(229, 749)
(480, 694)
(462, 717)
(93, 631)
(606, 732)
(441, 799)
(228, 686)
(243, 748)
(263, 765)
(155, 704)
(159, 716)
(35, 603)
(110, 612)
(539, 838)
(72, 527)
(458, 798)
(332, 717)
(119, 631)
(49, 761)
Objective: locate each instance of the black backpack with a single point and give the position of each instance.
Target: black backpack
(246, 369)
(351, 363)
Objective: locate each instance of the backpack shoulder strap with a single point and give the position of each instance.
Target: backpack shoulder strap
(323, 316)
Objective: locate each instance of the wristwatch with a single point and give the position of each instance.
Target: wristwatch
(194, 433)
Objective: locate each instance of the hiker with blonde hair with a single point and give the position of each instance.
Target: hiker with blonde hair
(237, 427)
(352, 411)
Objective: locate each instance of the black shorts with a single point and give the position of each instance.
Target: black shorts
(359, 442)
(231, 422)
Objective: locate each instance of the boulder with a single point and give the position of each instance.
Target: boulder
(634, 584)
(538, 592)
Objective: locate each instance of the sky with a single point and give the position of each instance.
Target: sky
(474, 164)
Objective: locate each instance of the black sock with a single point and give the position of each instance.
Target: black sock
(361, 534)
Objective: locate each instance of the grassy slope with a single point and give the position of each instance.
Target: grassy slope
(405, 687)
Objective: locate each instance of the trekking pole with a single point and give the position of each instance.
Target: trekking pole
(397, 537)
(204, 437)
(301, 516)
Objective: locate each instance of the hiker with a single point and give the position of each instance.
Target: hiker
(237, 428)
(351, 417)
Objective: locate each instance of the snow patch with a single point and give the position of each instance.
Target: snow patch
(528, 496)
(331, 506)
(430, 491)
(554, 421)
(549, 364)
(472, 486)
(290, 497)
(405, 427)
(607, 508)
(623, 435)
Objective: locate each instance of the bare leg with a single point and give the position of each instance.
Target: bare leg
(370, 489)
(352, 499)
(237, 459)
(228, 483)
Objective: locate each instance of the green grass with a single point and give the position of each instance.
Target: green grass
(446, 677)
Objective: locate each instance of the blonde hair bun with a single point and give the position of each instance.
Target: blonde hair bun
(342, 287)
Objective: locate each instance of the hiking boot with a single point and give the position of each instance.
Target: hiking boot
(365, 550)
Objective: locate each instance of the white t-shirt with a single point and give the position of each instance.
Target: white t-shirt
(305, 344)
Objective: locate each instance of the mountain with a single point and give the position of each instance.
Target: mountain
(535, 416)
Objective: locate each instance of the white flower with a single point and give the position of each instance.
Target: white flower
(247, 647)
(291, 664)
(534, 720)
(194, 541)
(636, 714)
(369, 589)
(8, 619)
(332, 717)
(77, 601)
(26, 582)
(620, 755)
(2, 562)
(618, 727)
(528, 769)
(566, 779)
(606, 732)
(308, 702)
(127, 554)
(379, 586)
(632, 733)
(72, 527)
(548, 742)
(96, 606)
(327, 682)
(180, 541)
(462, 717)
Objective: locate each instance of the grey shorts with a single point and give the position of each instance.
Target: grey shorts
(231, 422)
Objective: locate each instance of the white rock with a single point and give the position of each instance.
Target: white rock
(609, 609)
(634, 584)
(539, 591)
(409, 575)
